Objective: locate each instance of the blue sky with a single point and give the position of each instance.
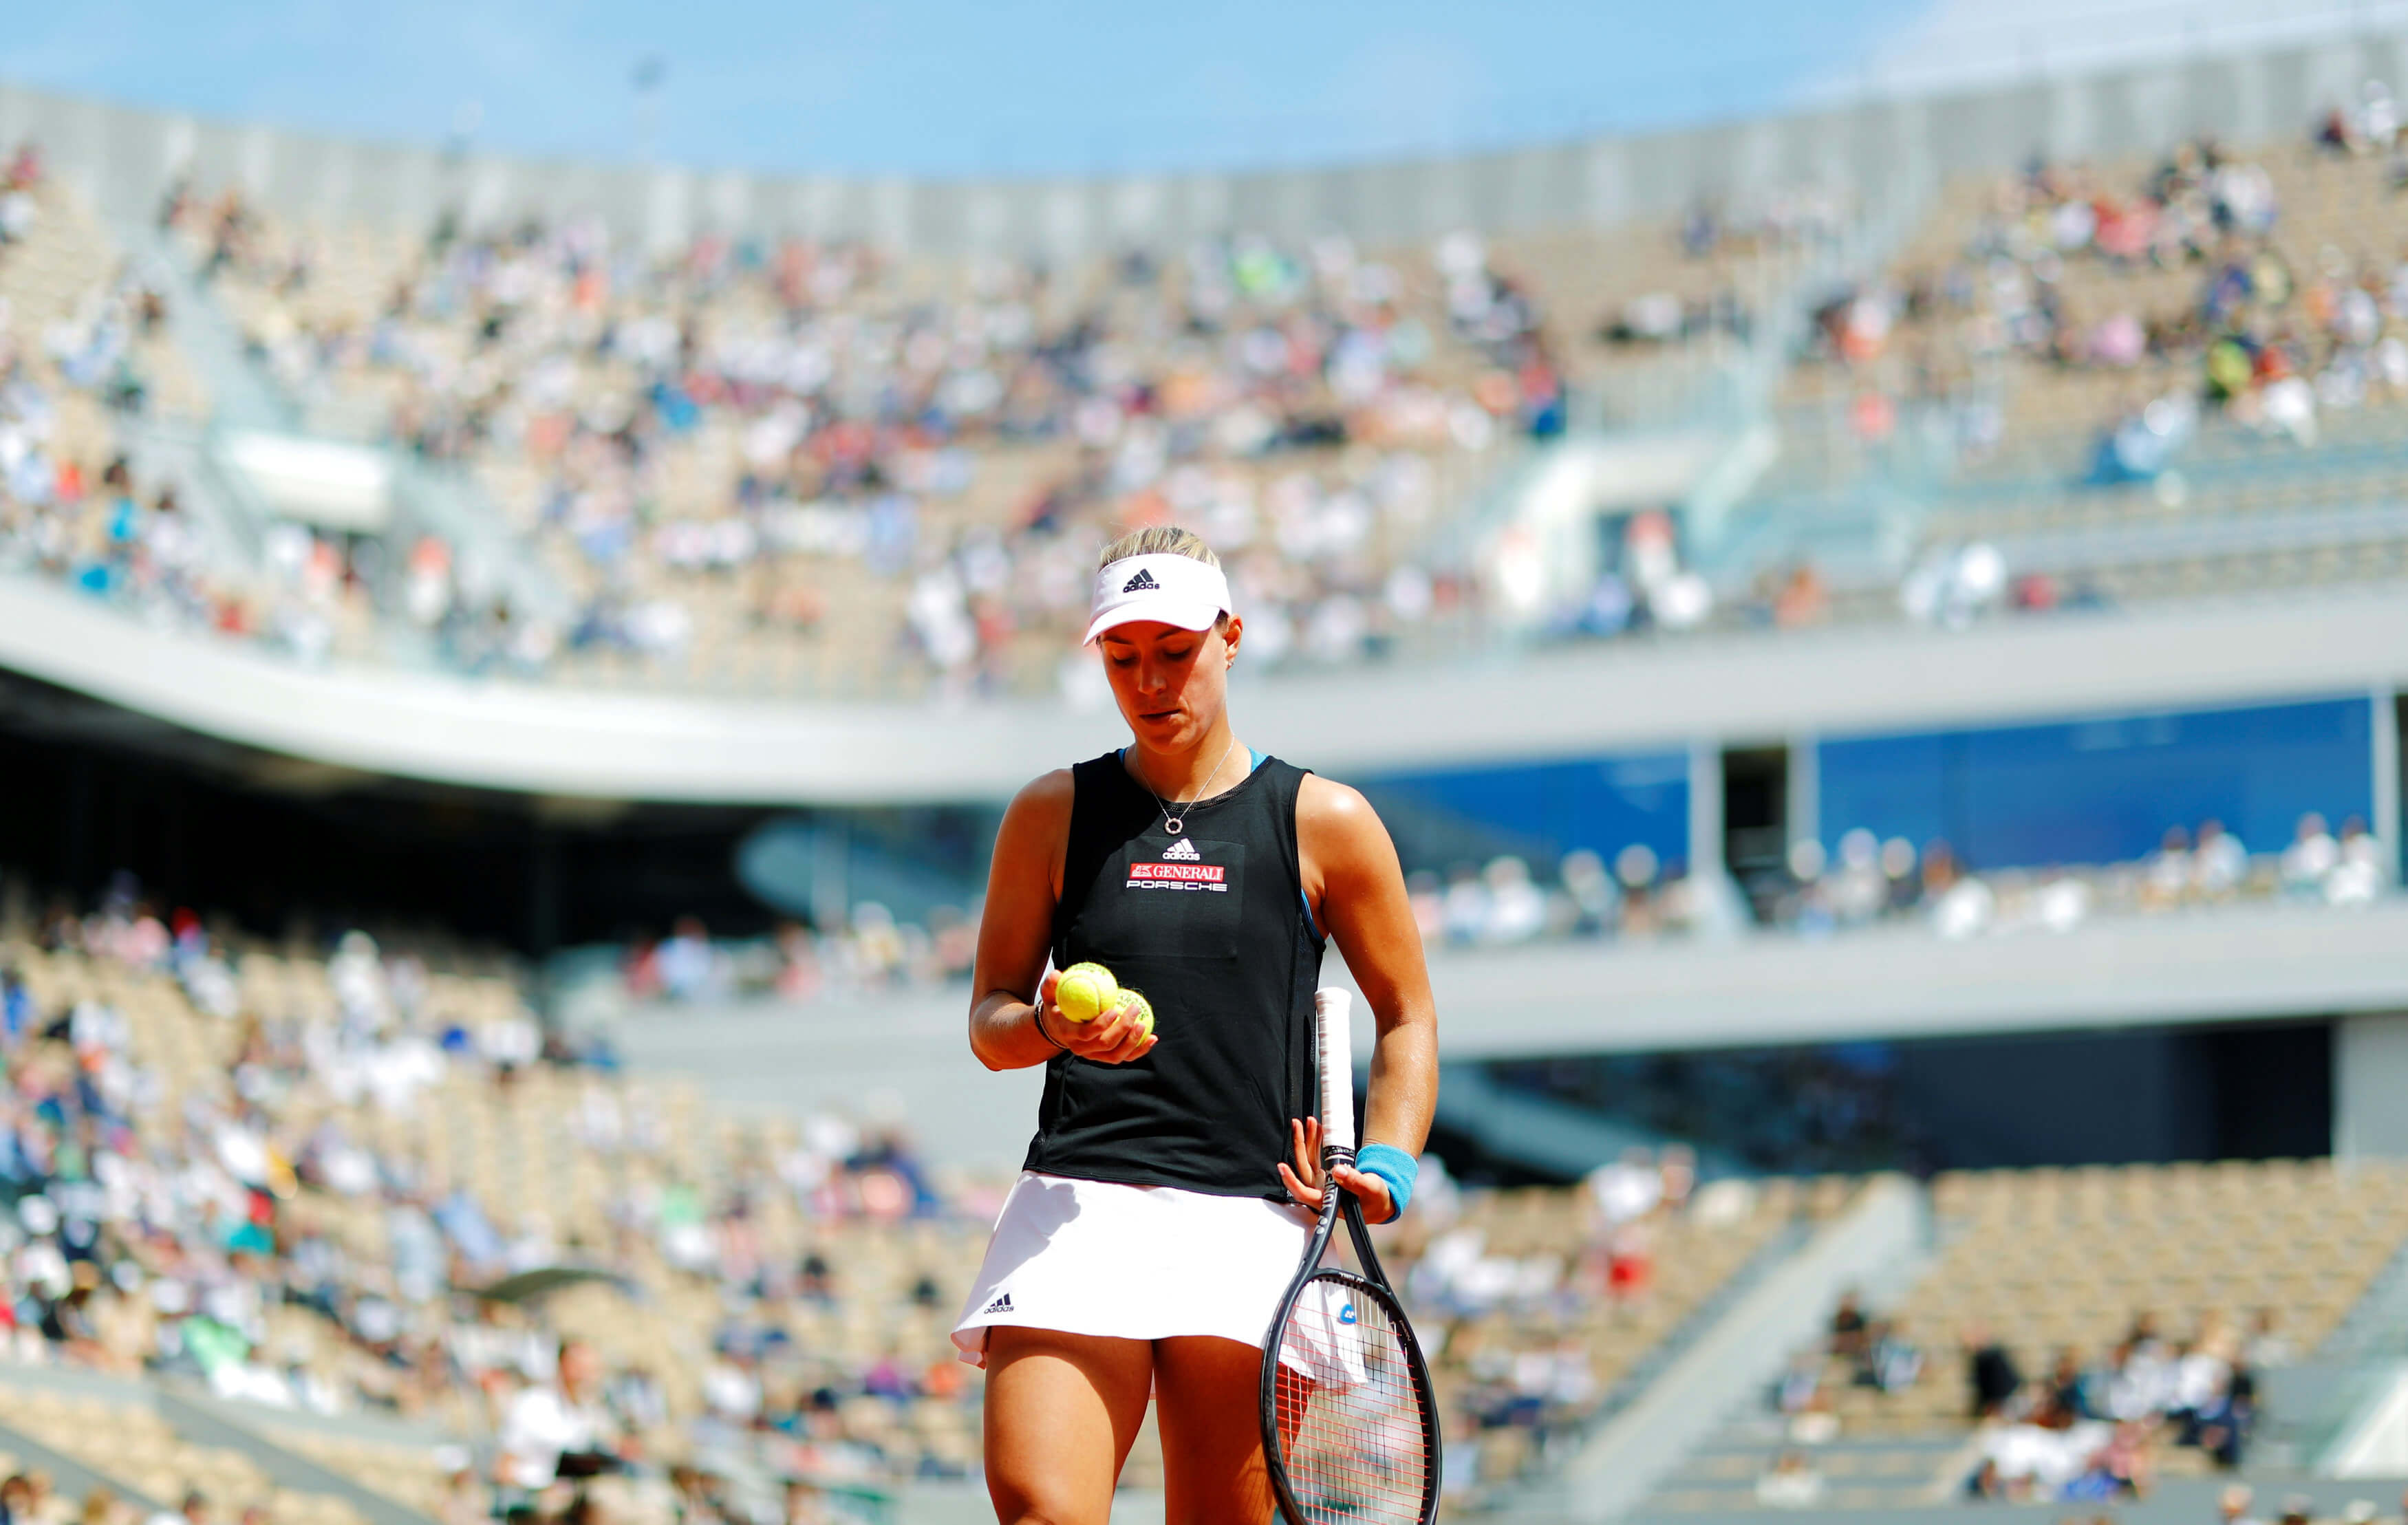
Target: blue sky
(957, 87)
(947, 87)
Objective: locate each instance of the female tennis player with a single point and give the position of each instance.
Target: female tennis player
(1155, 1221)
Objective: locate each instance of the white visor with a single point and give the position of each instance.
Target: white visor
(1175, 589)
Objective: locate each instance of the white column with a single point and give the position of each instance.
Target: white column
(1805, 804)
(2386, 824)
(1715, 908)
(1705, 810)
(2370, 1105)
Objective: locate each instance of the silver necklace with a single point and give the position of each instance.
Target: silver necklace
(1178, 823)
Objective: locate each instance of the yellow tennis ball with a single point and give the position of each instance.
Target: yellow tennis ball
(1140, 1010)
(1085, 992)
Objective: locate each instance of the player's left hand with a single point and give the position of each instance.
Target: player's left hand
(1304, 1181)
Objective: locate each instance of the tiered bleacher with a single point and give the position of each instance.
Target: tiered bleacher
(2162, 377)
(357, 1180)
(90, 374)
(1541, 1302)
(2080, 1335)
(804, 468)
(786, 467)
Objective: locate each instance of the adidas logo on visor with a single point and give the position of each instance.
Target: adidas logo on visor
(1180, 851)
(1142, 582)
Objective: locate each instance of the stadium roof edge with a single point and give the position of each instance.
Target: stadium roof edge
(123, 155)
(560, 740)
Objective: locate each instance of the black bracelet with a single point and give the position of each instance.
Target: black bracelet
(1037, 1016)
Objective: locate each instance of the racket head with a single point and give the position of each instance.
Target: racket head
(1350, 1420)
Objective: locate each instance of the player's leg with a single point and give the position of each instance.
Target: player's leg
(1061, 1413)
(1208, 1397)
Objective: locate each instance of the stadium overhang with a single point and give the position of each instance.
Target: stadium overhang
(563, 741)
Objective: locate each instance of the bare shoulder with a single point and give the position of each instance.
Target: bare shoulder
(1040, 812)
(1336, 815)
(1035, 831)
(1325, 801)
(1047, 794)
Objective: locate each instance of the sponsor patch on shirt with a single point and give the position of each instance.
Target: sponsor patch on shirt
(1178, 877)
(1181, 868)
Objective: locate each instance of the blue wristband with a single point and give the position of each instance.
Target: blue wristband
(1397, 1169)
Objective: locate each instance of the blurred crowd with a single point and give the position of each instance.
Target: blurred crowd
(1792, 217)
(873, 952)
(75, 506)
(2082, 1430)
(736, 428)
(222, 1166)
(1636, 896)
(1868, 880)
(2265, 341)
(2091, 1430)
(797, 465)
(1538, 1308)
(215, 1231)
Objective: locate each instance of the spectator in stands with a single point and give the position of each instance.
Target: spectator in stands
(1851, 1333)
(1994, 1382)
(193, 1509)
(2308, 862)
(2268, 1345)
(560, 1429)
(2167, 875)
(688, 965)
(1892, 1362)
(2068, 1385)
(1792, 1484)
(1628, 1188)
(2218, 861)
(2360, 874)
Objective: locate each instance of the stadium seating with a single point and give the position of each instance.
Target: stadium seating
(2084, 1265)
(1537, 1316)
(755, 1276)
(710, 450)
(135, 1447)
(396, 1135)
(796, 469)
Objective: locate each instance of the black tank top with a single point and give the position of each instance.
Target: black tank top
(1211, 926)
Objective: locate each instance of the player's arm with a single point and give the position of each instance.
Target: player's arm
(1357, 889)
(1011, 993)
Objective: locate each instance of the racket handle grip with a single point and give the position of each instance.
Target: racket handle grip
(1333, 1012)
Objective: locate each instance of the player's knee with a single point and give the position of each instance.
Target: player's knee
(1036, 1505)
(1038, 1515)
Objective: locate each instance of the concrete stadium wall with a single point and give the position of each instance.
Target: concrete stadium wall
(121, 157)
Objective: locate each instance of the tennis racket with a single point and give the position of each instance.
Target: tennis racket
(1350, 1426)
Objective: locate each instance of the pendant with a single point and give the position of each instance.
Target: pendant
(1173, 824)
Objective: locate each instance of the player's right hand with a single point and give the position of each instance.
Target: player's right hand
(1111, 1038)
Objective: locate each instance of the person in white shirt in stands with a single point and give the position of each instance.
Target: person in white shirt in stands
(2268, 1345)
(2359, 876)
(1627, 1188)
(2309, 860)
(560, 1429)
(2167, 872)
(2219, 863)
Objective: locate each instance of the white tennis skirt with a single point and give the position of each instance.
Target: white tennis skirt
(1132, 1263)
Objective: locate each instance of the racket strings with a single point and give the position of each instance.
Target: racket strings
(1352, 1421)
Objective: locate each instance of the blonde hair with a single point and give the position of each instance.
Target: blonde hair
(1158, 540)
